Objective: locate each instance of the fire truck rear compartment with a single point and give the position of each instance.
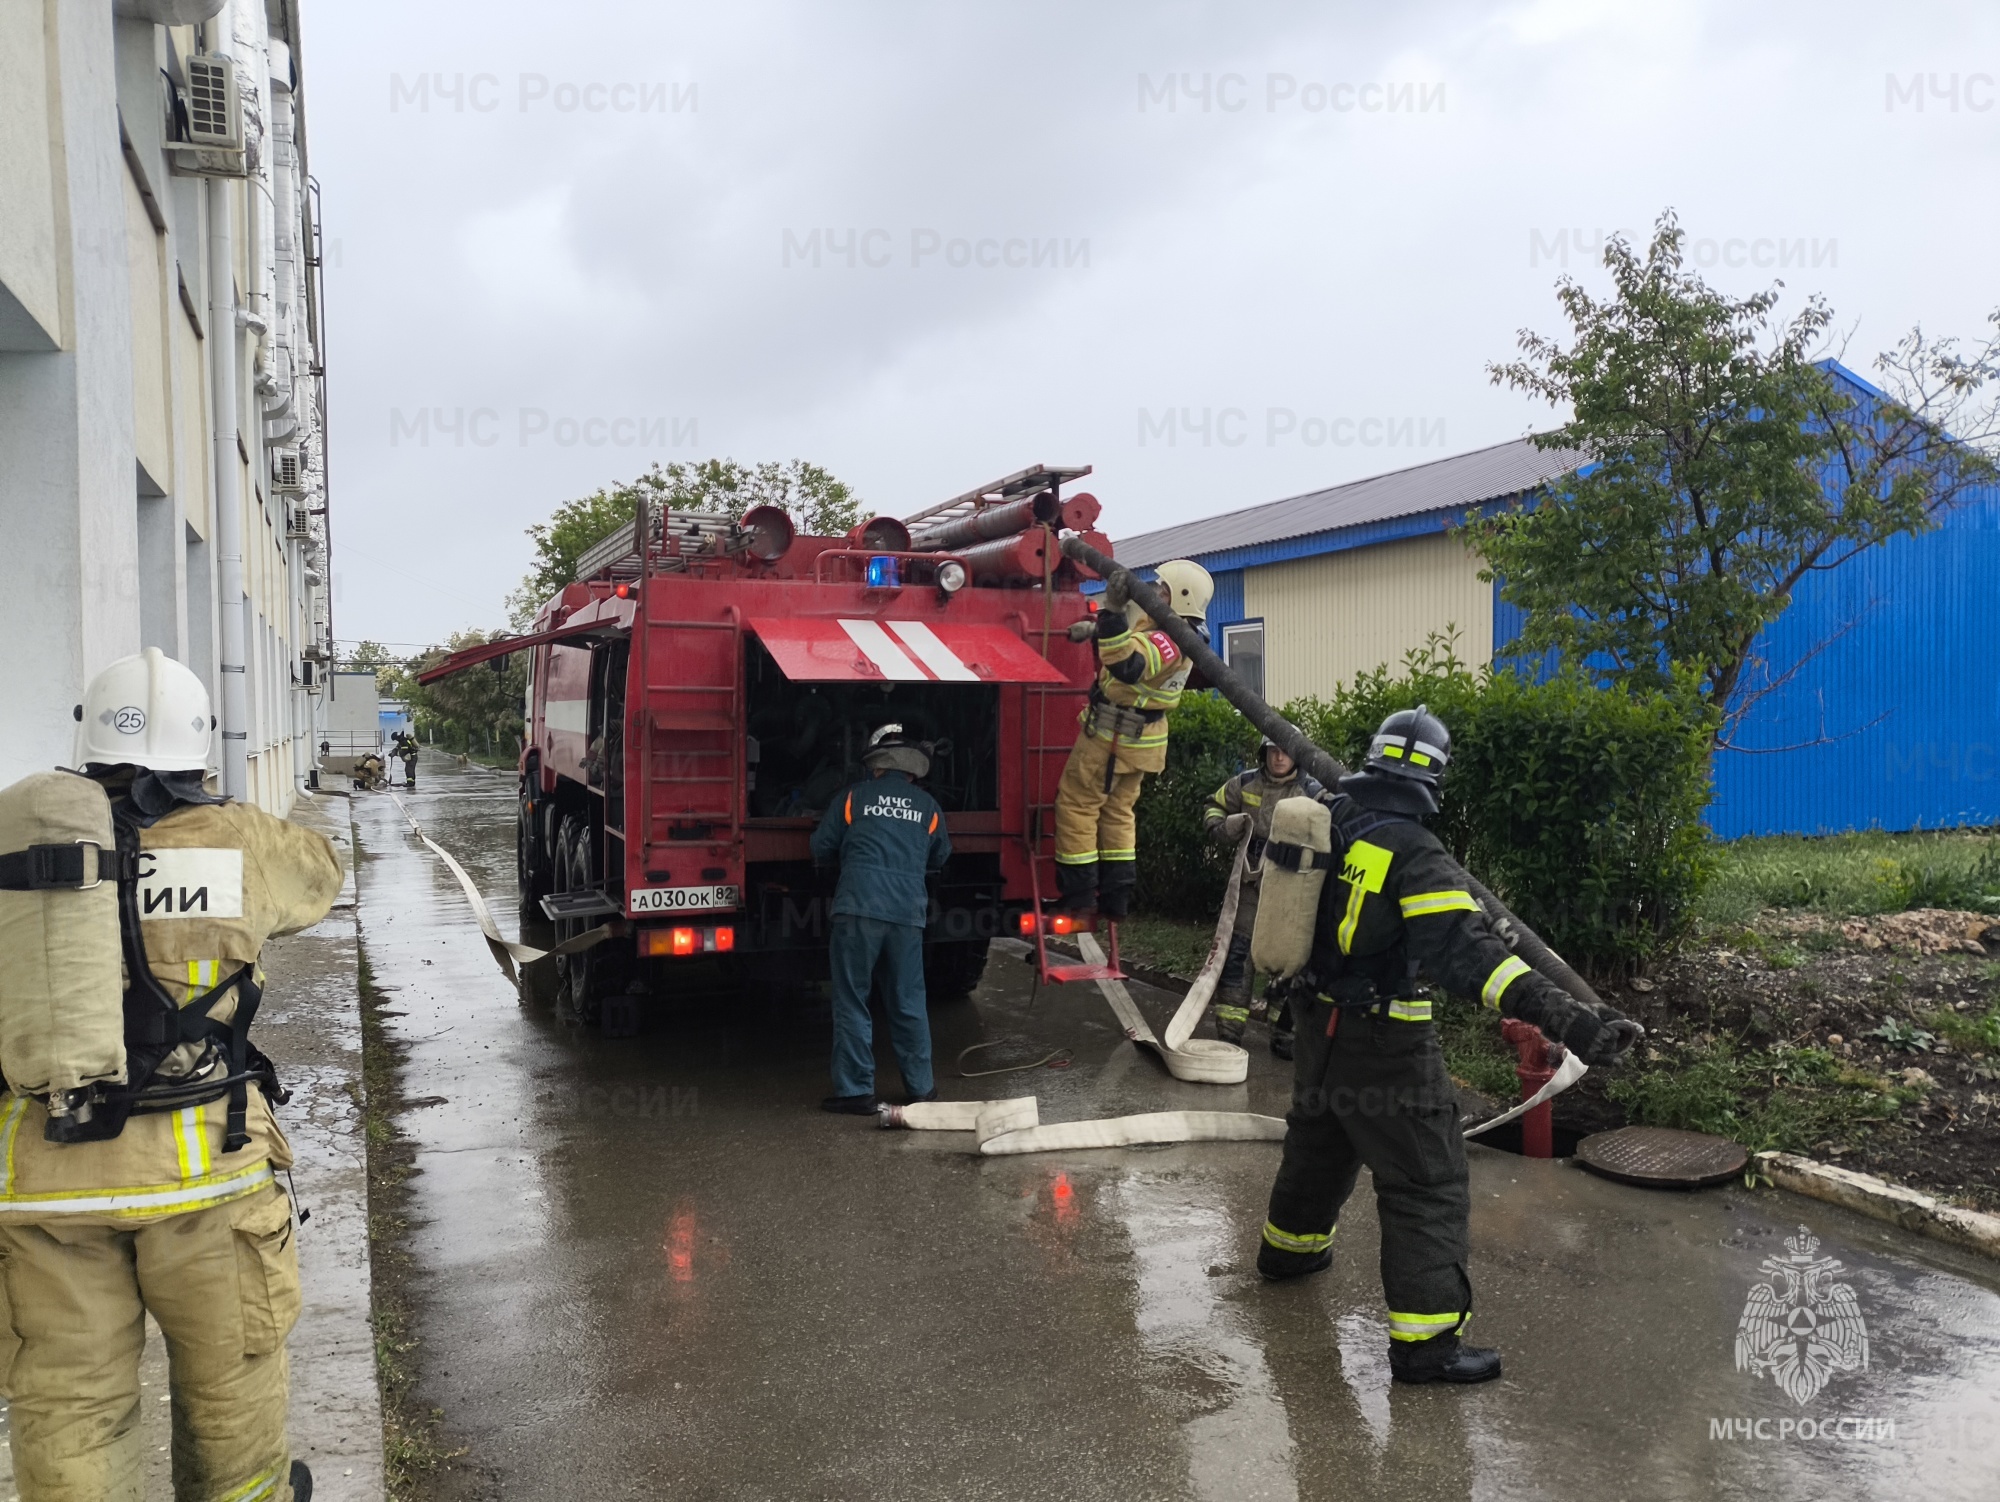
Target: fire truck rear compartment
(806, 739)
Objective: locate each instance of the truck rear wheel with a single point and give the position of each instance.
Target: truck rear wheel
(953, 970)
(531, 859)
(589, 975)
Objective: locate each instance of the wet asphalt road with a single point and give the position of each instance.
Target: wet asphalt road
(652, 1268)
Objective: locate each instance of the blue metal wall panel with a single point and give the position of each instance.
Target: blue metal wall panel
(1894, 721)
(1227, 604)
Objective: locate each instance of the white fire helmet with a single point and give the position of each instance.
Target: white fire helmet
(145, 711)
(1188, 587)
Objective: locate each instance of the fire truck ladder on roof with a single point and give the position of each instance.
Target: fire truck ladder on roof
(1029, 481)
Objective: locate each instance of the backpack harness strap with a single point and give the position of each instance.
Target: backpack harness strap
(155, 1024)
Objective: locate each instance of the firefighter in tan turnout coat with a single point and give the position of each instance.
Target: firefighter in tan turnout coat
(143, 1179)
(1141, 676)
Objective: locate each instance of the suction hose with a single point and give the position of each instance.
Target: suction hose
(1292, 740)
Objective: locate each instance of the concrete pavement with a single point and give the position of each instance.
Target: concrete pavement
(650, 1267)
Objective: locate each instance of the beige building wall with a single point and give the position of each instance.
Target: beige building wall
(1331, 617)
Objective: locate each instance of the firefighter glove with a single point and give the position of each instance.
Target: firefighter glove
(1235, 826)
(1117, 589)
(1081, 630)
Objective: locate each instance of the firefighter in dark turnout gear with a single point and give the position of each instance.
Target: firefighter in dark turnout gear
(1243, 803)
(1369, 1083)
(888, 834)
(404, 746)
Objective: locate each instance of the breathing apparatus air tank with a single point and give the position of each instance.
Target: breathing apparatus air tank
(62, 1009)
(1296, 858)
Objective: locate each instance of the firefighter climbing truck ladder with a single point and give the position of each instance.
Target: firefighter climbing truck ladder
(703, 688)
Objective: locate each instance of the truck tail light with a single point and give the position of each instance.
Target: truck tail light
(683, 942)
(1057, 923)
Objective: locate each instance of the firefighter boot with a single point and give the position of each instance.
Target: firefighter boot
(1076, 887)
(1114, 887)
(302, 1482)
(1232, 1009)
(1281, 1028)
(1442, 1358)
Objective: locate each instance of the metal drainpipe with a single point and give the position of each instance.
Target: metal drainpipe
(231, 606)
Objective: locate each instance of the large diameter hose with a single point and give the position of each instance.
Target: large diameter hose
(1293, 741)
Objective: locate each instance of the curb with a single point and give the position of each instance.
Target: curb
(1881, 1200)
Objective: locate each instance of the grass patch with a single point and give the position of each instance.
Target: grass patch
(1871, 872)
(1474, 1053)
(1780, 1098)
(1971, 1032)
(1171, 945)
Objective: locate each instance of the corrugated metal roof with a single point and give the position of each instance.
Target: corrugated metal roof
(1462, 481)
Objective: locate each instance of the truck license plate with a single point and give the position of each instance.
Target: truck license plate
(681, 899)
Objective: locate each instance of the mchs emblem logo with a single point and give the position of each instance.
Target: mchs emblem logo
(1801, 1327)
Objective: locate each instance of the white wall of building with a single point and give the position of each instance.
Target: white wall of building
(110, 434)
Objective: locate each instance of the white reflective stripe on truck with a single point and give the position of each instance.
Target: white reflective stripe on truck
(882, 650)
(932, 653)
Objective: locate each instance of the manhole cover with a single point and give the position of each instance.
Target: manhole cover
(1662, 1157)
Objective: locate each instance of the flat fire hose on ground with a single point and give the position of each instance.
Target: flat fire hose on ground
(1204, 1061)
(1003, 1127)
(506, 952)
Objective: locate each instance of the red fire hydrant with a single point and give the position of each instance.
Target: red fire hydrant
(1538, 1061)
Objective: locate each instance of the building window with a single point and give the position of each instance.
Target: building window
(1243, 650)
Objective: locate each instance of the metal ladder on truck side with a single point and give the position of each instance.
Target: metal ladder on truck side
(1040, 827)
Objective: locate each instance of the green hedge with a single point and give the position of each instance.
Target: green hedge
(1182, 875)
(1580, 805)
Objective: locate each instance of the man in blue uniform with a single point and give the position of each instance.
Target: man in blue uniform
(887, 834)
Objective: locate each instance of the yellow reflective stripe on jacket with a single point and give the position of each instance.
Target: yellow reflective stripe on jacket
(145, 1199)
(1107, 643)
(1422, 1326)
(191, 1142)
(10, 1123)
(1409, 1011)
(1252, 800)
(1424, 903)
(1366, 869)
(202, 976)
(1293, 1241)
(1504, 975)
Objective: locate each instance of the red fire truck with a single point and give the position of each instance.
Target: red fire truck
(703, 690)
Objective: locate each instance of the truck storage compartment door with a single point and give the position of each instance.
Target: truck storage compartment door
(866, 650)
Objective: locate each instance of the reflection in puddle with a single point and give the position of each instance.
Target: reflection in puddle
(1238, 1445)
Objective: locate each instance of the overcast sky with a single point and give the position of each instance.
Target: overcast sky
(925, 244)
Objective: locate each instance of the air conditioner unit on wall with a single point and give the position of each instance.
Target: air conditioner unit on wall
(287, 472)
(298, 523)
(209, 120)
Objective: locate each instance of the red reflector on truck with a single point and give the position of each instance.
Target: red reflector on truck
(725, 940)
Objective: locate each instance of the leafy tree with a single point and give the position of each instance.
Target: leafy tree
(818, 503)
(478, 709)
(1722, 465)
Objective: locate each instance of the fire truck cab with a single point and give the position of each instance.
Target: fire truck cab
(701, 694)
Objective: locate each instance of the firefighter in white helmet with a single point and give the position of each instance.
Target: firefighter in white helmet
(153, 1189)
(1141, 675)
